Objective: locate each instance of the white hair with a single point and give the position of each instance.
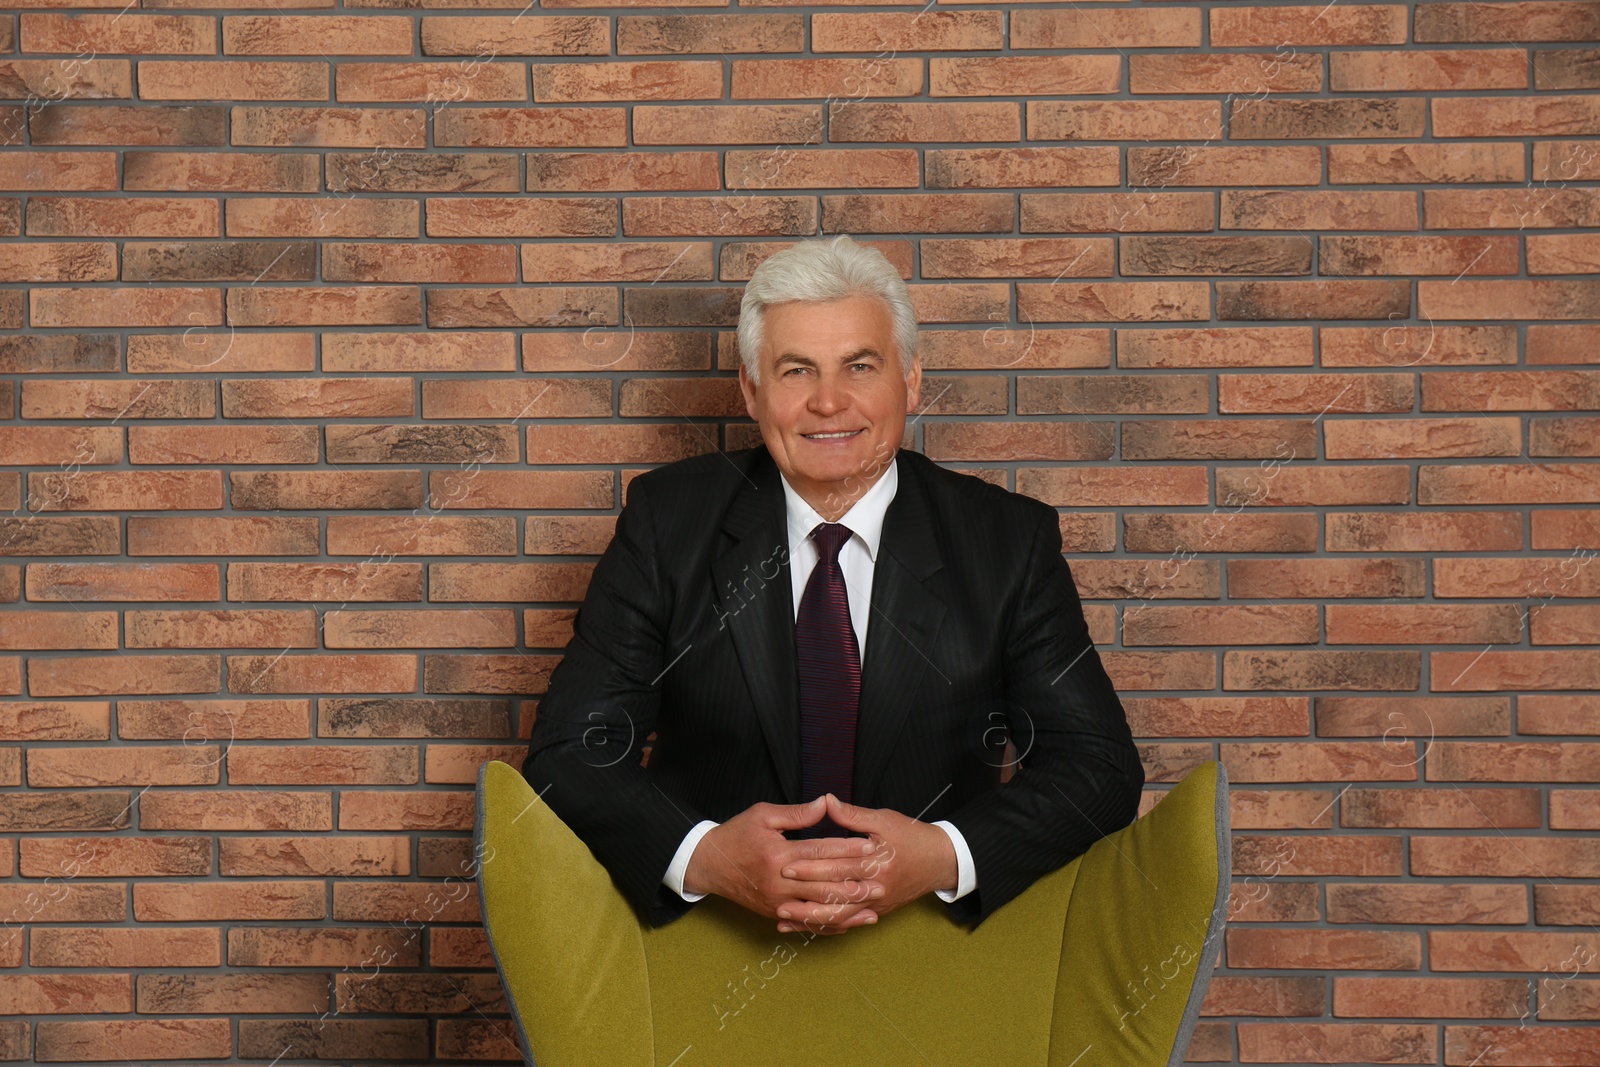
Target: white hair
(820, 270)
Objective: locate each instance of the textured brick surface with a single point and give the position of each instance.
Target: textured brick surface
(331, 336)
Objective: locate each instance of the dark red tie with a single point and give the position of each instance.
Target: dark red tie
(830, 681)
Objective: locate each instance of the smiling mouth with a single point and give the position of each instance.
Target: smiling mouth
(839, 435)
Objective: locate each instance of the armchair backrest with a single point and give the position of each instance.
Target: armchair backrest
(1104, 960)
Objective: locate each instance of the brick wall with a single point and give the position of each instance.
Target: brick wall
(330, 338)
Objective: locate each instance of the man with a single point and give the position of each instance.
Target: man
(831, 637)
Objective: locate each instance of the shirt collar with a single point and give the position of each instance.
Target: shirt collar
(865, 517)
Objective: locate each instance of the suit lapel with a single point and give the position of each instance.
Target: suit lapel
(905, 620)
(756, 602)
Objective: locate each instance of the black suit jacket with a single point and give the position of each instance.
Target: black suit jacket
(976, 635)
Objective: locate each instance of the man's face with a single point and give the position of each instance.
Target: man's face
(831, 366)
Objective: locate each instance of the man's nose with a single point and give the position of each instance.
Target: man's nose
(829, 394)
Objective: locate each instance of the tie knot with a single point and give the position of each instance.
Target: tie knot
(830, 537)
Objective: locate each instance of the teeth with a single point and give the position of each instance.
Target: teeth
(850, 433)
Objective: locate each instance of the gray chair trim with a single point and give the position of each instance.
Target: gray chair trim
(483, 909)
(1211, 947)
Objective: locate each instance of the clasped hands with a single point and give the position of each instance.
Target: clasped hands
(827, 885)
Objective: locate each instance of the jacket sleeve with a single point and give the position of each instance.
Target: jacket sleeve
(1078, 776)
(599, 707)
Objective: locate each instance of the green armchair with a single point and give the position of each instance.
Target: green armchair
(1104, 961)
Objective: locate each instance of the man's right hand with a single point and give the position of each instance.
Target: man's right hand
(741, 859)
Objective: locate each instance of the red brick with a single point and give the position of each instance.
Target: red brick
(118, 1039)
(1279, 484)
(788, 168)
(1415, 346)
(1510, 208)
(324, 856)
(923, 31)
(530, 127)
(322, 764)
(986, 168)
(124, 674)
(627, 80)
(930, 212)
(1352, 118)
(1418, 70)
(1456, 950)
(1465, 116)
(1390, 950)
(1190, 165)
(1124, 120)
(349, 673)
(741, 215)
(192, 764)
(1452, 808)
(53, 994)
(259, 901)
(123, 581)
(548, 35)
(727, 124)
(289, 535)
(710, 34)
(1304, 1042)
(1519, 20)
(122, 948)
(372, 809)
(1464, 1044)
(1022, 75)
(885, 121)
(252, 809)
(1116, 212)
(186, 993)
(1431, 997)
(1545, 713)
(1408, 163)
(1321, 298)
(325, 947)
(1412, 255)
(1242, 346)
(1167, 72)
(112, 857)
(1305, 761)
(1114, 301)
(342, 582)
(1490, 856)
(1279, 26)
(849, 79)
(145, 33)
(621, 171)
(1106, 28)
(1460, 904)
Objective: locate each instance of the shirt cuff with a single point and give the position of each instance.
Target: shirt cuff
(966, 874)
(680, 860)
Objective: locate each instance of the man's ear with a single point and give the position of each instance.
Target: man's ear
(749, 391)
(914, 384)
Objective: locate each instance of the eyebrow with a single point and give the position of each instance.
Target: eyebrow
(848, 357)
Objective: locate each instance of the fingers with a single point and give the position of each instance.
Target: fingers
(861, 918)
(835, 902)
(832, 869)
(794, 816)
(850, 816)
(824, 918)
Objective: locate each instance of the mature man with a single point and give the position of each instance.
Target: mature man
(832, 638)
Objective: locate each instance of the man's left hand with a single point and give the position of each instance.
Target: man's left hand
(912, 859)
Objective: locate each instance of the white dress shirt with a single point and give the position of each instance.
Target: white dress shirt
(857, 558)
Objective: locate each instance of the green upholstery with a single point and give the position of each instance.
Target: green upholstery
(1109, 955)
